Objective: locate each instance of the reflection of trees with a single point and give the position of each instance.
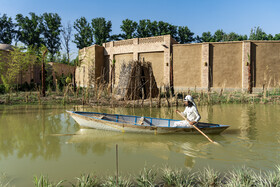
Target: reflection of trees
(23, 130)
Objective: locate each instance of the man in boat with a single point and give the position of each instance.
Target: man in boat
(190, 112)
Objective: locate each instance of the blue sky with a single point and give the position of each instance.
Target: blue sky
(199, 15)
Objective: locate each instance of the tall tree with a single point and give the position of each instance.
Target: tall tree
(276, 36)
(232, 36)
(101, 30)
(66, 36)
(30, 30)
(257, 34)
(185, 35)
(7, 29)
(207, 37)
(153, 27)
(51, 24)
(143, 28)
(128, 27)
(162, 28)
(83, 37)
(219, 36)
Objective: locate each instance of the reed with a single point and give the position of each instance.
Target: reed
(209, 177)
(86, 180)
(112, 182)
(146, 178)
(43, 181)
(242, 177)
(176, 177)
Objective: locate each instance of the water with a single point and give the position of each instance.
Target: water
(45, 140)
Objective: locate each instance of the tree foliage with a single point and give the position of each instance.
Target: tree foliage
(219, 36)
(128, 27)
(30, 30)
(257, 34)
(143, 29)
(51, 24)
(7, 29)
(12, 63)
(66, 36)
(83, 37)
(207, 37)
(185, 35)
(101, 30)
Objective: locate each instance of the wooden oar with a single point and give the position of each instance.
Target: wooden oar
(196, 127)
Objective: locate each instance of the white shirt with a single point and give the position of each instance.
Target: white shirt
(191, 113)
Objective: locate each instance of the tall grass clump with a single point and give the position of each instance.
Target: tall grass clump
(146, 178)
(86, 180)
(242, 177)
(209, 177)
(43, 181)
(112, 182)
(271, 178)
(177, 177)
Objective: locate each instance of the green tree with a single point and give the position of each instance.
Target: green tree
(7, 30)
(153, 27)
(128, 27)
(101, 30)
(83, 37)
(30, 30)
(207, 37)
(163, 28)
(270, 37)
(257, 34)
(143, 29)
(232, 36)
(17, 60)
(116, 37)
(51, 24)
(185, 35)
(219, 36)
(276, 37)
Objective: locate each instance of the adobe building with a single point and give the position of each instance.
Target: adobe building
(233, 66)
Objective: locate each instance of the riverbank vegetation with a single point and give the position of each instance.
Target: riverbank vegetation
(167, 176)
(102, 96)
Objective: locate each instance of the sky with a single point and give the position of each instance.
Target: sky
(238, 16)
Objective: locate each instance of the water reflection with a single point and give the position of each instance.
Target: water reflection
(23, 132)
(101, 142)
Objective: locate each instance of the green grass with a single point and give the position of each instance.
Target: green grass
(168, 177)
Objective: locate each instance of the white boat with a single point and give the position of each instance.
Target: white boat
(139, 124)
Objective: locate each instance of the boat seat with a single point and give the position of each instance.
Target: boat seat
(99, 116)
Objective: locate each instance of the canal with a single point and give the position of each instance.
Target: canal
(45, 140)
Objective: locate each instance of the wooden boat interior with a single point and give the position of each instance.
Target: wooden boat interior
(140, 120)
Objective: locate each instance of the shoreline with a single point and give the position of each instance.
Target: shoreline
(165, 100)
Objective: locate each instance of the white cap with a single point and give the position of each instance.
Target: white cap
(188, 98)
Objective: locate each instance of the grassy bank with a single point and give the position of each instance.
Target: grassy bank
(103, 97)
(166, 177)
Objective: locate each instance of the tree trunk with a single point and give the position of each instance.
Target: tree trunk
(44, 74)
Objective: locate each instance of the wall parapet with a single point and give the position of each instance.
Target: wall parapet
(155, 39)
(123, 42)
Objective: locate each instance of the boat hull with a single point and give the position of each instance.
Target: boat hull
(96, 123)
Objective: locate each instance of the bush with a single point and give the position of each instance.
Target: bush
(2, 89)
